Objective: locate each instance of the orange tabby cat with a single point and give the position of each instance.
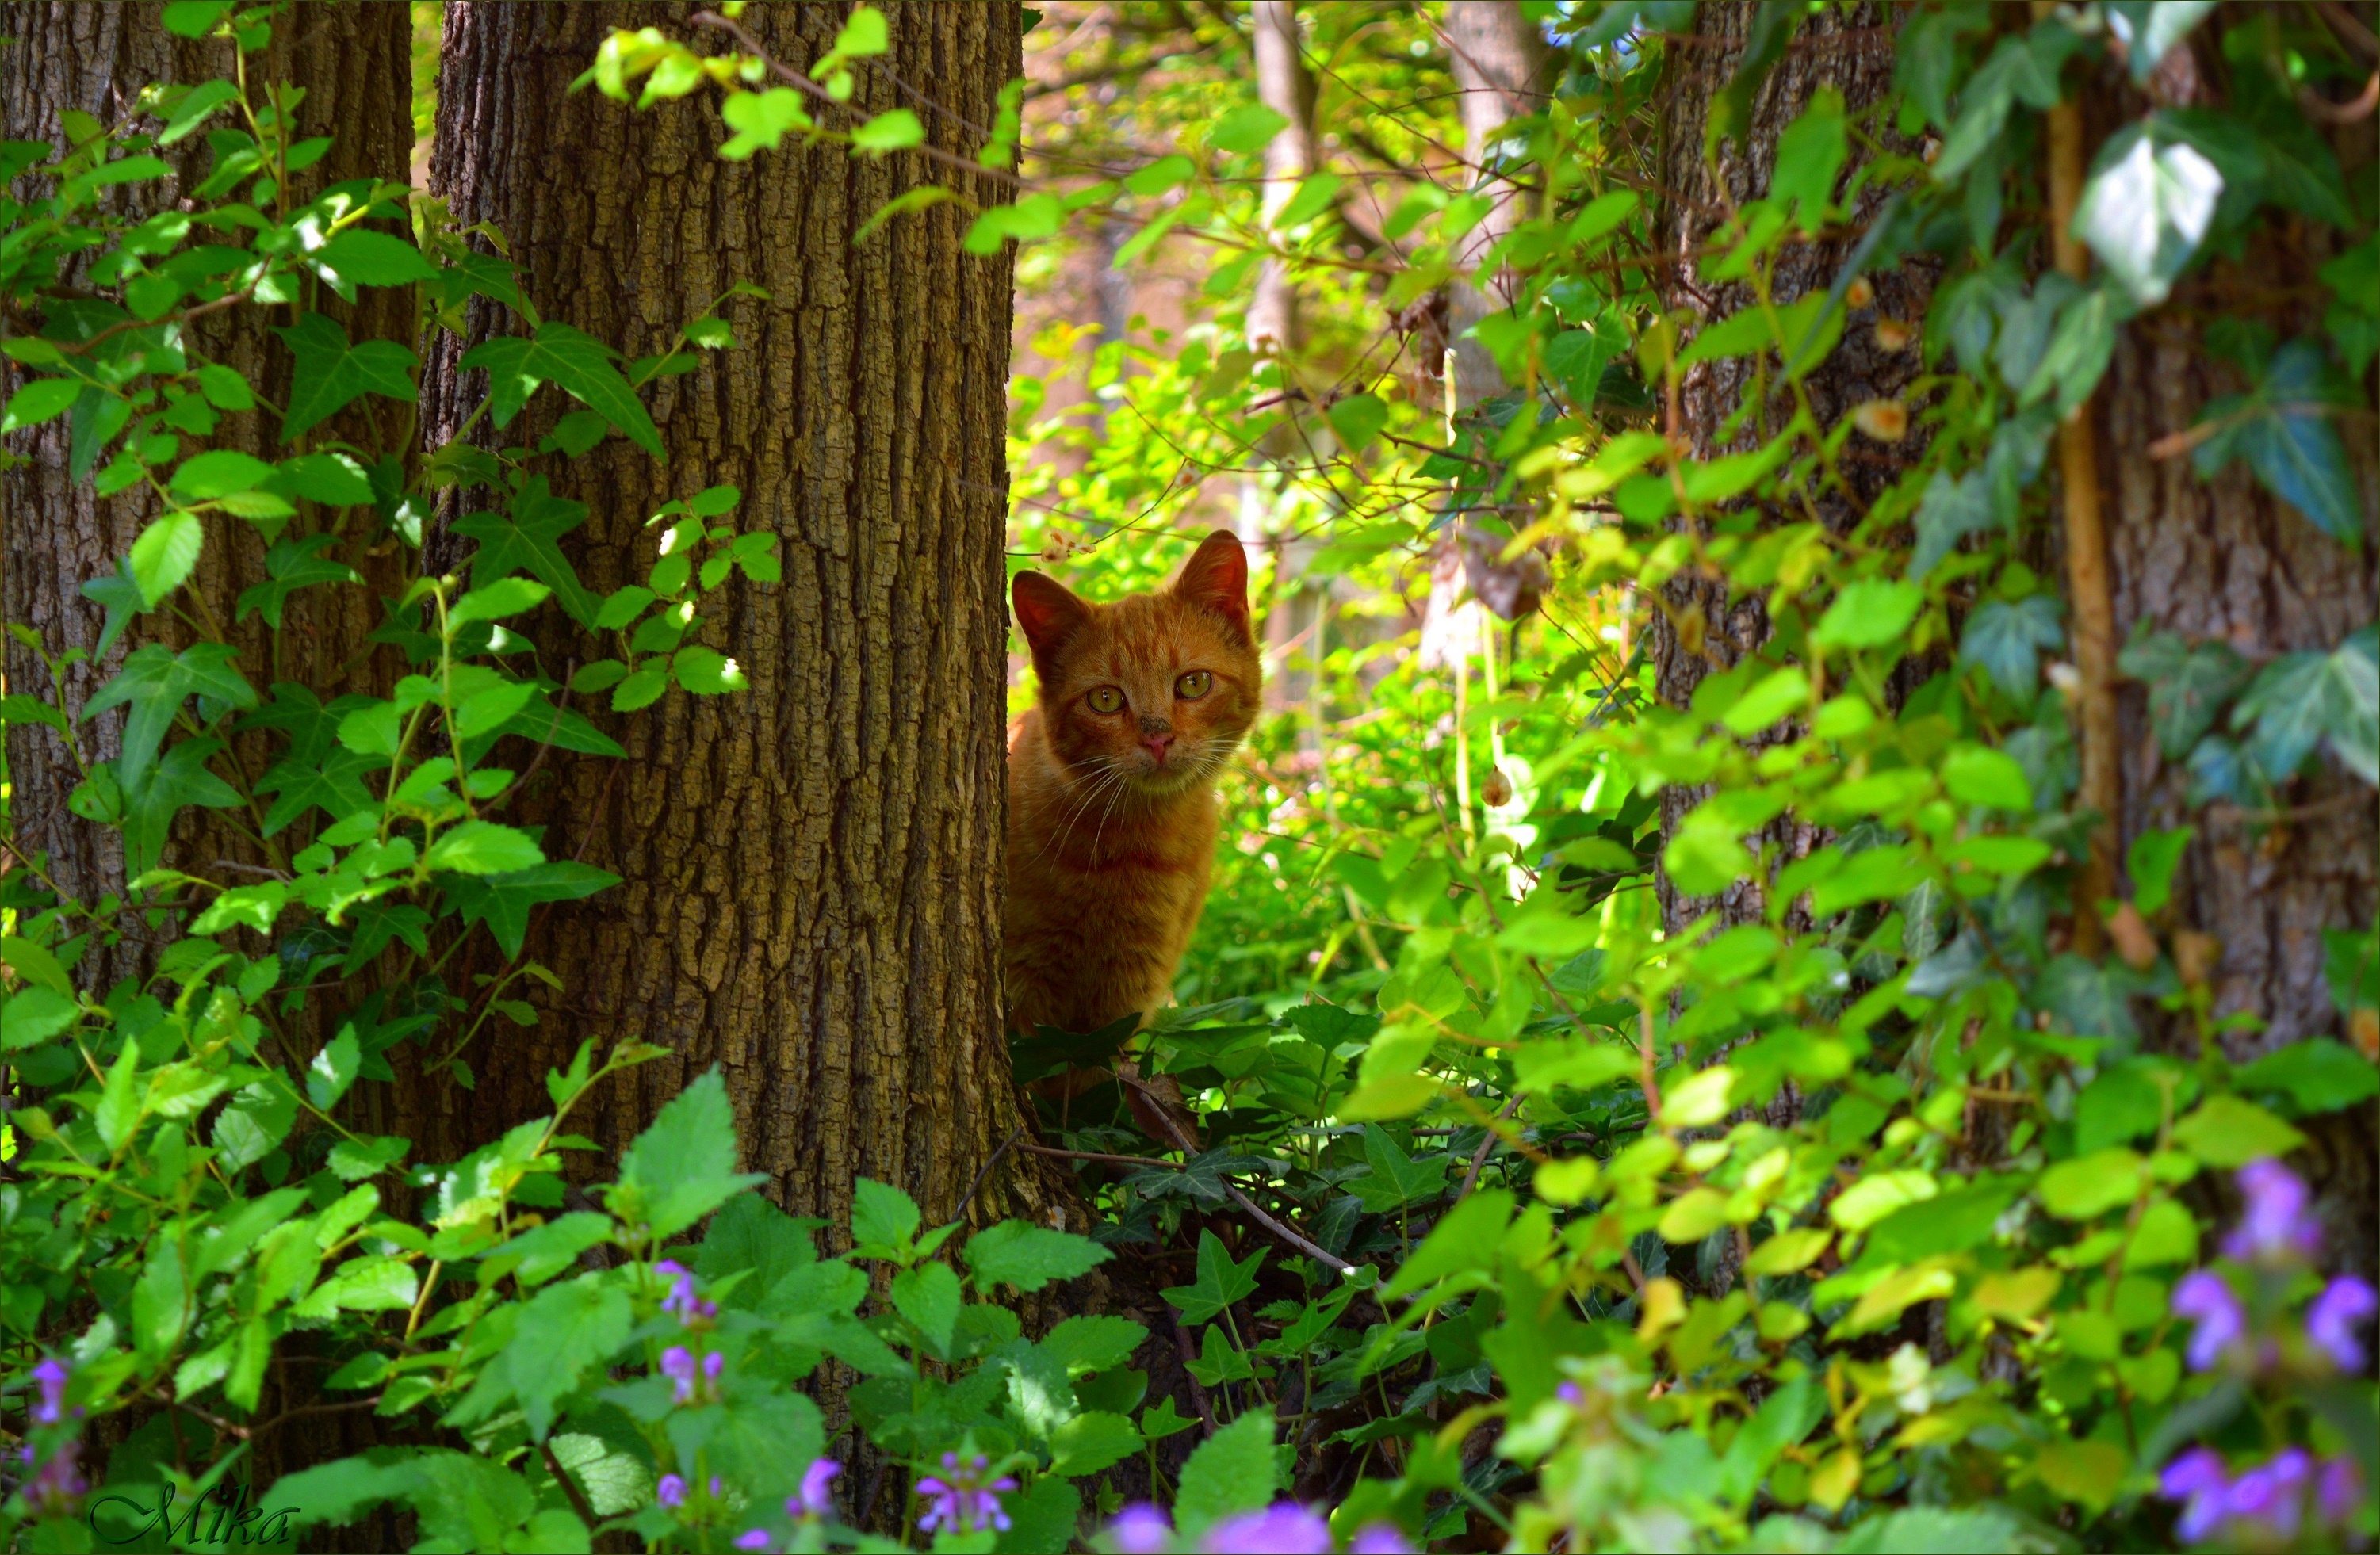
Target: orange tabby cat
(1111, 815)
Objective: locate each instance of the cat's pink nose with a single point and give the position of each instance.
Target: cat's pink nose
(1157, 745)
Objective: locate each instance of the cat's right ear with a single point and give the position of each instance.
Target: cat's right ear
(1047, 611)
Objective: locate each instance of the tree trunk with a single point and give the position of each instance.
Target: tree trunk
(1697, 629)
(1502, 71)
(812, 869)
(353, 64)
(1283, 86)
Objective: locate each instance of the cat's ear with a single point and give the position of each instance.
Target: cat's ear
(1216, 580)
(1047, 611)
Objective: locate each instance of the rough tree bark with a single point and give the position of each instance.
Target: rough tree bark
(1502, 71)
(354, 64)
(812, 874)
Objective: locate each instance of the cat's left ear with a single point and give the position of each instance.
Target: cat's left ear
(1216, 580)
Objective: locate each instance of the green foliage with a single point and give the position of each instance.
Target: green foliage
(1837, 1204)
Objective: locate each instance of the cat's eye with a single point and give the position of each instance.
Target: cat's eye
(1194, 685)
(1106, 699)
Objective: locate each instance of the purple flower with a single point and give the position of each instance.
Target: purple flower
(51, 1376)
(682, 1299)
(57, 1482)
(964, 1503)
(2338, 1490)
(1141, 1529)
(1380, 1539)
(755, 1539)
(671, 1491)
(2273, 1494)
(677, 1365)
(2196, 1477)
(713, 1364)
(1282, 1528)
(2344, 1305)
(1570, 1393)
(2275, 1225)
(811, 1500)
(2203, 1298)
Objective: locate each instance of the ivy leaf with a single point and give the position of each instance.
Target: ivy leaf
(331, 372)
(150, 805)
(1221, 1280)
(1951, 510)
(2149, 28)
(1396, 1180)
(291, 565)
(575, 361)
(1028, 1256)
(154, 681)
(120, 598)
(503, 902)
(2145, 208)
(2188, 685)
(2283, 433)
(2300, 699)
(2008, 639)
(684, 1166)
(529, 542)
(2088, 999)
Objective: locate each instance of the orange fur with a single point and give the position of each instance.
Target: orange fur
(1112, 814)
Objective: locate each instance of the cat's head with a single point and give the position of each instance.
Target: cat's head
(1157, 689)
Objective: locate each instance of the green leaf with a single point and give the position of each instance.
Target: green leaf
(505, 901)
(530, 542)
(2320, 1076)
(2008, 639)
(1222, 1280)
(253, 1126)
(154, 681)
(881, 1216)
(1357, 420)
(706, 671)
(928, 1297)
(1396, 1181)
(1314, 197)
(893, 130)
(1247, 129)
(684, 1166)
(118, 1113)
(1868, 614)
(1465, 1237)
(2089, 1186)
(576, 362)
(151, 805)
(484, 848)
(334, 1069)
(2144, 209)
(2227, 1132)
(863, 34)
(2286, 437)
(34, 963)
(2189, 685)
(373, 258)
(506, 597)
(33, 1017)
(1028, 1256)
(1091, 1441)
(164, 555)
(291, 565)
(335, 480)
(1809, 155)
(567, 1332)
(40, 401)
(1093, 1344)
(331, 373)
(1233, 1471)
(2300, 699)
(2150, 862)
(1979, 775)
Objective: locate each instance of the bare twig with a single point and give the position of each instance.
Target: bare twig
(1242, 1199)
